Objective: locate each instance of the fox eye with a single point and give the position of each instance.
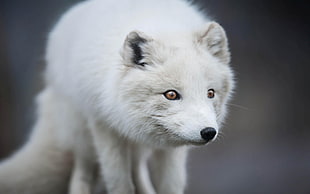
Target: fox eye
(172, 95)
(211, 93)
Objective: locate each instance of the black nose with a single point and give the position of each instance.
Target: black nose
(208, 133)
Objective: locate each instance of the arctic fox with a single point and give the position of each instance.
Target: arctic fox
(127, 82)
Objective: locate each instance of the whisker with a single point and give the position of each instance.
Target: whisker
(220, 138)
(238, 106)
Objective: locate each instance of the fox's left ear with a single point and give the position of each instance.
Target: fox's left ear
(135, 48)
(215, 40)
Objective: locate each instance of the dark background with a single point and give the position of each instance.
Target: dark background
(266, 143)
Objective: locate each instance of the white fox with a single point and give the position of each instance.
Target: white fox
(127, 82)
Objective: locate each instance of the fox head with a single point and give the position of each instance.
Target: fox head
(173, 89)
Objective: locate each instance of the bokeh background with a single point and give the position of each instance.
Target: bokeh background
(265, 146)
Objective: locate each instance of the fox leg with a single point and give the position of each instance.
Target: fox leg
(114, 160)
(168, 170)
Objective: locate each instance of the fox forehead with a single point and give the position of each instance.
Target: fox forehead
(189, 66)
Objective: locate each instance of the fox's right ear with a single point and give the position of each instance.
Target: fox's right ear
(135, 49)
(214, 39)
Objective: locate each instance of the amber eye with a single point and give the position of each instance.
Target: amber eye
(172, 95)
(211, 93)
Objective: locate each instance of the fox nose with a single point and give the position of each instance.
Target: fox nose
(208, 133)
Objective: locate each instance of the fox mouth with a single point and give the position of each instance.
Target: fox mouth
(197, 143)
(186, 141)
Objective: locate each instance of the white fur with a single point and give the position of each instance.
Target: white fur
(94, 88)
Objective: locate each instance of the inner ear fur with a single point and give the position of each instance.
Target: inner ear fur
(214, 39)
(135, 48)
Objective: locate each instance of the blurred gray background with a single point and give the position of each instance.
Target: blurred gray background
(266, 143)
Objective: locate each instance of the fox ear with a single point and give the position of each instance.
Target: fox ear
(134, 49)
(214, 38)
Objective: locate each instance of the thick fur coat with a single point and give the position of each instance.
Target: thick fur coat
(126, 81)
